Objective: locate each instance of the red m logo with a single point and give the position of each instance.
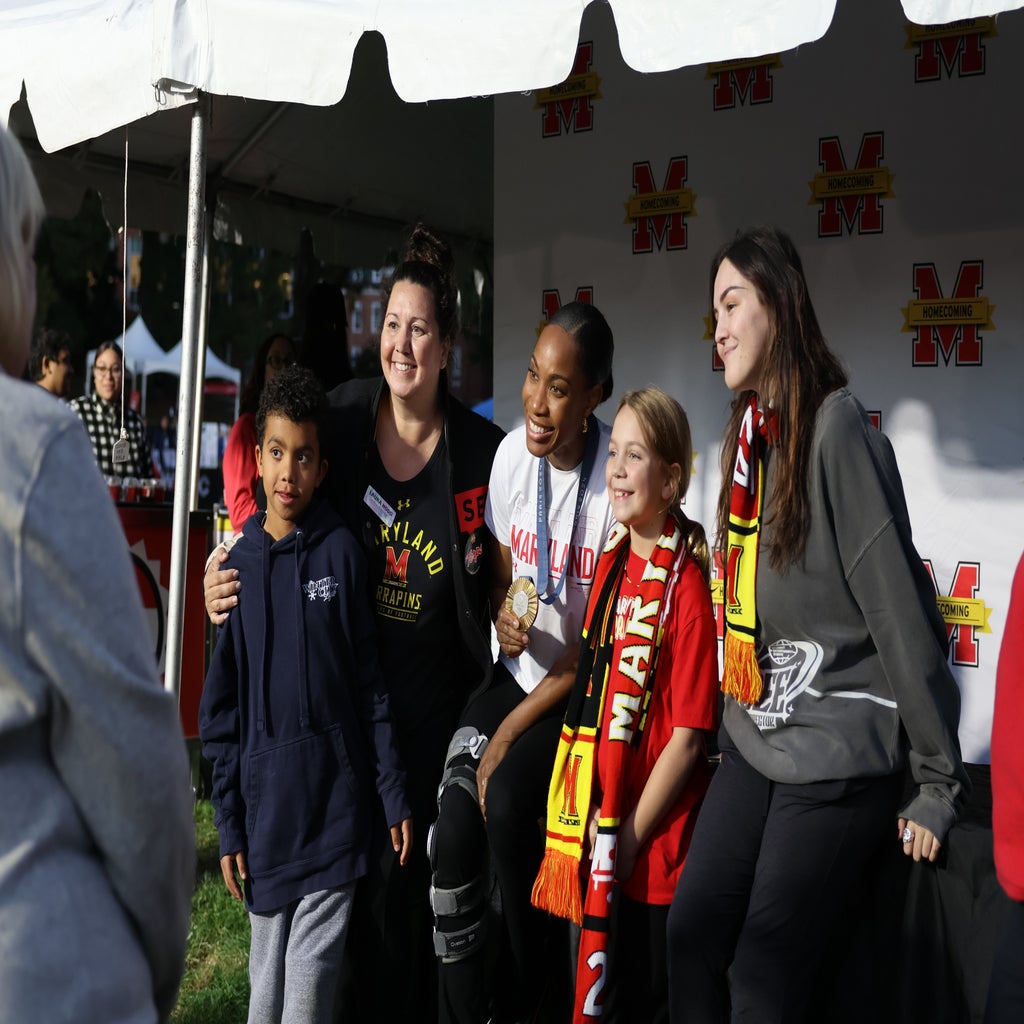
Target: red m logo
(551, 300)
(397, 568)
(575, 114)
(964, 53)
(750, 84)
(572, 774)
(667, 230)
(963, 338)
(963, 640)
(864, 210)
(732, 600)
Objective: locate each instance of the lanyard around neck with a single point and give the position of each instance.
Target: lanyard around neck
(543, 558)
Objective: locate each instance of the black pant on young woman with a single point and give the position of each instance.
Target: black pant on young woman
(768, 870)
(513, 838)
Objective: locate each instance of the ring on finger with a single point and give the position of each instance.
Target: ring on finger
(908, 835)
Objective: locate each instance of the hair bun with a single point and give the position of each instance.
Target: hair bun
(424, 246)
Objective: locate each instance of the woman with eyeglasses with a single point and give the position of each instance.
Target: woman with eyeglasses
(276, 353)
(103, 412)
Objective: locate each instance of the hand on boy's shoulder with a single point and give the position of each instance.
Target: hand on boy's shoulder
(220, 584)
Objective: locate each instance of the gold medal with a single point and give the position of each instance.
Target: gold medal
(521, 600)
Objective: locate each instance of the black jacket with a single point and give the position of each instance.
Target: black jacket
(471, 442)
(296, 721)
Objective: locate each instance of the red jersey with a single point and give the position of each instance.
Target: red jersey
(684, 694)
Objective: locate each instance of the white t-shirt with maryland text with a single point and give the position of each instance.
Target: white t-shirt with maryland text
(511, 515)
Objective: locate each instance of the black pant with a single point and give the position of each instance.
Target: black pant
(769, 868)
(391, 971)
(1006, 989)
(513, 839)
(637, 991)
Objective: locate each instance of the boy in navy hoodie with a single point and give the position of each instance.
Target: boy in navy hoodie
(295, 721)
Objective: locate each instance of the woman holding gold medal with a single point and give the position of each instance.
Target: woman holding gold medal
(548, 507)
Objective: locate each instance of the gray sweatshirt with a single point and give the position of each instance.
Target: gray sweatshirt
(96, 837)
(851, 643)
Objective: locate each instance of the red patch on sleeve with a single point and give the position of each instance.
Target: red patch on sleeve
(469, 508)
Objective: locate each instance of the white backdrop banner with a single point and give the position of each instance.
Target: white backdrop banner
(877, 149)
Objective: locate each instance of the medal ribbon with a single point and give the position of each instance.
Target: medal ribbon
(586, 467)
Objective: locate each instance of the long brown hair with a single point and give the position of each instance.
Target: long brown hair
(667, 433)
(797, 371)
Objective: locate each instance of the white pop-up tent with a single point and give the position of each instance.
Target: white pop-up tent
(171, 361)
(139, 346)
(144, 357)
(91, 67)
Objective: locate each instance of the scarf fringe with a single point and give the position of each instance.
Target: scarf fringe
(557, 887)
(741, 678)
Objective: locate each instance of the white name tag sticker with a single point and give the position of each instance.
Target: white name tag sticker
(383, 511)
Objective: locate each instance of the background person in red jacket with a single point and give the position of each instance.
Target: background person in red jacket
(1006, 989)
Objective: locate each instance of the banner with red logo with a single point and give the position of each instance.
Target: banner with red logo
(876, 149)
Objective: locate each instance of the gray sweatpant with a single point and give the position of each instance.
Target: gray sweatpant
(295, 958)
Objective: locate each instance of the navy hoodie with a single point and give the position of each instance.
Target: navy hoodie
(294, 714)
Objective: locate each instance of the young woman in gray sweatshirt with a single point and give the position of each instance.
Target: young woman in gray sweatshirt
(838, 690)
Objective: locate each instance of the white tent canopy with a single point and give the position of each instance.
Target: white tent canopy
(308, 126)
(93, 65)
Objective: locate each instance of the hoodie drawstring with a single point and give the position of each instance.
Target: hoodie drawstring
(300, 631)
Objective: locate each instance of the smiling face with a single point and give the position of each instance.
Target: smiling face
(106, 375)
(640, 485)
(557, 399)
(412, 351)
(290, 464)
(743, 328)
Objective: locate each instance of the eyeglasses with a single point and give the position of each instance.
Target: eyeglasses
(107, 371)
(280, 362)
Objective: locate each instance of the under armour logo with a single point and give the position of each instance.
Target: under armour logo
(403, 504)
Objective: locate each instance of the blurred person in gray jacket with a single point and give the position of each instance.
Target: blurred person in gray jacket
(97, 851)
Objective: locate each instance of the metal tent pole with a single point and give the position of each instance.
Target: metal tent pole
(191, 366)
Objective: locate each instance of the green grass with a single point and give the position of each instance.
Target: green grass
(215, 989)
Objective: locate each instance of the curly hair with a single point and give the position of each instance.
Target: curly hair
(297, 395)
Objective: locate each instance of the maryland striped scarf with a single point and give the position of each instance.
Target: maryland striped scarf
(628, 686)
(741, 674)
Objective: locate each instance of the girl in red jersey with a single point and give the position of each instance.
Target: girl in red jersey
(631, 768)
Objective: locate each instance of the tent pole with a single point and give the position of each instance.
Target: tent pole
(198, 391)
(185, 470)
